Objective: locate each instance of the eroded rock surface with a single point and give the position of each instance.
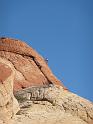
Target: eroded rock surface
(31, 68)
(8, 104)
(58, 98)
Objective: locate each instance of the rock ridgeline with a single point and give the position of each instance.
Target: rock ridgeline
(30, 68)
(41, 96)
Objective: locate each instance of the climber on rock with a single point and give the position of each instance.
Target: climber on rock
(46, 60)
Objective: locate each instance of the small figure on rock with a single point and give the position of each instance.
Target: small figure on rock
(46, 60)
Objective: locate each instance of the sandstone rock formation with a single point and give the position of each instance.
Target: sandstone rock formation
(41, 96)
(8, 104)
(77, 109)
(31, 68)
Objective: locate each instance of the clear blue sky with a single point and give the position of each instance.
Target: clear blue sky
(61, 30)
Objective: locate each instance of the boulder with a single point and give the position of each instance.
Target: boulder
(8, 104)
(31, 68)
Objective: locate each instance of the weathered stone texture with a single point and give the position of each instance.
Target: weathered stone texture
(8, 104)
(60, 99)
(31, 68)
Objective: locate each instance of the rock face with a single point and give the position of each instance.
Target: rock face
(8, 104)
(63, 103)
(31, 68)
(41, 96)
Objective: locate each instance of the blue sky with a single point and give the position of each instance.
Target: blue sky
(61, 30)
